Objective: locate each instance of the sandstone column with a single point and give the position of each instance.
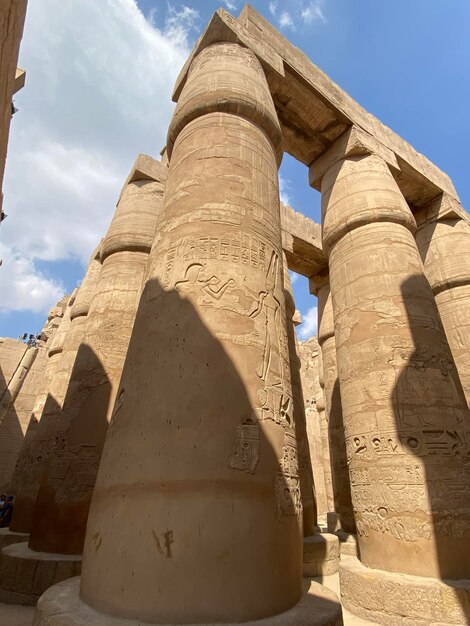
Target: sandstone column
(405, 419)
(443, 240)
(63, 351)
(63, 500)
(325, 443)
(196, 512)
(308, 351)
(334, 432)
(305, 467)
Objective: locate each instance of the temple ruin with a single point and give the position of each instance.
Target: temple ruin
(183, 452)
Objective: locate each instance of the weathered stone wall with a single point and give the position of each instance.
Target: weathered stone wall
(12, 15)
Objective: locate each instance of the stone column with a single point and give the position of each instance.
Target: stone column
(325, 443)
(63, 350)
(63, 501)
(405, 420)
(334, 432)
(308, 351)
(196, 512)
(305, 467)
(443, 239)
(17, 380)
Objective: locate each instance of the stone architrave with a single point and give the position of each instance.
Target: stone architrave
(405, 417)
(334, 435)
(443, 239)
(308, 352)
(307, 488)
(63, 501)
(64, 349)
(199, 472)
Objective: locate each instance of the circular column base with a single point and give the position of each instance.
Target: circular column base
(400, 599)
(347, 543)
(321, 555)
(7, 537)
(61, 606)
(26, 574)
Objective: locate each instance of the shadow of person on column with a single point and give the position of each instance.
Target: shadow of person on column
(194, 488)
(433, 425)
(63, 500)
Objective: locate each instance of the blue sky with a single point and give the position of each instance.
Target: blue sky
(98, 93)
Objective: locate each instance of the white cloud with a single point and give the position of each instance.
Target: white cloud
(24, 287)
(231, 6)
(312, 12)
(284, 188)
(293, 277)
(98, 92)
(286, 21)
(273, 7)
(308, 328)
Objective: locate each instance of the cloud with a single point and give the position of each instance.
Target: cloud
(98, 92)
(24, 287)
(308, 328)
(286, 21)
(312, 12)
(231, 6)
(293, 277)
(284, 188)
(299, 13)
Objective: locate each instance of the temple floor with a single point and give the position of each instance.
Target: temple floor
(16, 615)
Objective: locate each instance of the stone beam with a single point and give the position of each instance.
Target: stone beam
(313, 110)
(301, 242)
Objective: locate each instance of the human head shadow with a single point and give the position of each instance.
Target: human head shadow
(189, 480)
(434, 427)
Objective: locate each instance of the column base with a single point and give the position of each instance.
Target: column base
(400, 599)
(61, 606)
(25, 574)
(321, 555)
(7, 537)
(347, 543)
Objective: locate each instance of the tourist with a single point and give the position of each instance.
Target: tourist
(6, 512)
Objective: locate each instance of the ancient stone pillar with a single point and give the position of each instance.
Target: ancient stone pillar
(443, 239)
(405, 417)
(325, 443)
(199, 471)
(308, 351)
(333, 437)
(16, 382)
(305, 467)
(63, 351)
(63, 500)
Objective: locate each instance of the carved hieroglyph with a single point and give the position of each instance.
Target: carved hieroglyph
(63, 500)
(444, 246)
(199, 472)
(308, 352)
(305, 467)
(65, 345)
(333, 436)
(405, 418)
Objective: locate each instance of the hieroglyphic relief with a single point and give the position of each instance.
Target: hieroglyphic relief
(287, 481)
(246, 454)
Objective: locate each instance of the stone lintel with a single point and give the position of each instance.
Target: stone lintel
(444, 207)
(301, 242)
(146, 168)
(318, 111)
(20, 78)
(223, 27)
(354, 141)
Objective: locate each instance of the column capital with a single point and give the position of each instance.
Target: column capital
(316, 282)
(444, 207)
(353, 142)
